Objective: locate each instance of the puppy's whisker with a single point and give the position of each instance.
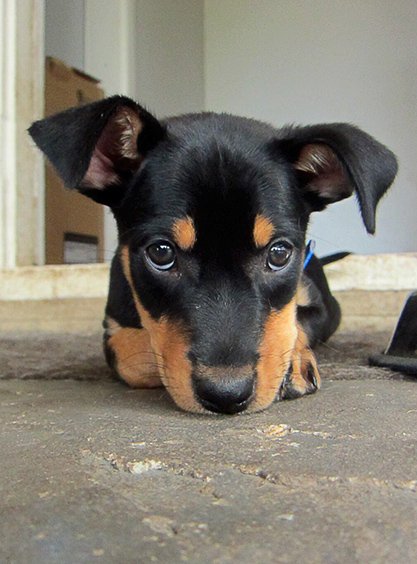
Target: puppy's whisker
(329, 347)
(133, 363)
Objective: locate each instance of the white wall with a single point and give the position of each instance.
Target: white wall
(64, 31)
(328, 60)
(169, 55)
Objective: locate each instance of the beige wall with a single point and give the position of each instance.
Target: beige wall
(329, 60)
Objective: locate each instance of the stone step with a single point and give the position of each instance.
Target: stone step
(69, 315)
(361, 309)
(71, 298)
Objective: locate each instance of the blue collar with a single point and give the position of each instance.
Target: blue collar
(309, 252)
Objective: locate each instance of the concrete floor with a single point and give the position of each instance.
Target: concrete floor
(94, 472)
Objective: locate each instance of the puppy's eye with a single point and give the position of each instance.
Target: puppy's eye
(161, 255)
(279, 254)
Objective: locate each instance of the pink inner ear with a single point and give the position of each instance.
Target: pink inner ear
(100, 171)
(115, 152)
(327, 175)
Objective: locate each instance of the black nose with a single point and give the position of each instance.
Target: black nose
(224, 395)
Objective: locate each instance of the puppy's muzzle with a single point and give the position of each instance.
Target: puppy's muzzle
(224, 393)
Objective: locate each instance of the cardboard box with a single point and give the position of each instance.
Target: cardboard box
(74, 225)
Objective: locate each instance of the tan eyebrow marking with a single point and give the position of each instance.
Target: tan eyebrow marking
(184, 234)
(263, 231)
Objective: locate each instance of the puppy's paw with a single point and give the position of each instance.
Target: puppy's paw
(129, 353)
(302, 376)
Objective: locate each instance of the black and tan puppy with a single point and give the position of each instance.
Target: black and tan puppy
(208, 295)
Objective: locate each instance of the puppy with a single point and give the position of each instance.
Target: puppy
(208, 295)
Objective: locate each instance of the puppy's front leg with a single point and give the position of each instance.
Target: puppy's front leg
(129, 353)
(302, 376)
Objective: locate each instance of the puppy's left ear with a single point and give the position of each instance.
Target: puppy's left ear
(334, 160)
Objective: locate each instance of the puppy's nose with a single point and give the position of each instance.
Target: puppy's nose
(224, 395)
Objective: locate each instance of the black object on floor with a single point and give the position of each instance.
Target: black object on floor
(401, 353)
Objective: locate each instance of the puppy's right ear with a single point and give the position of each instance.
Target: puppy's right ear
(96, 148)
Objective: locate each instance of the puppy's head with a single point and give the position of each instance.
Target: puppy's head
(212, 212)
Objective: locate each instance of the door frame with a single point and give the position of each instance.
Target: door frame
(21, 102)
